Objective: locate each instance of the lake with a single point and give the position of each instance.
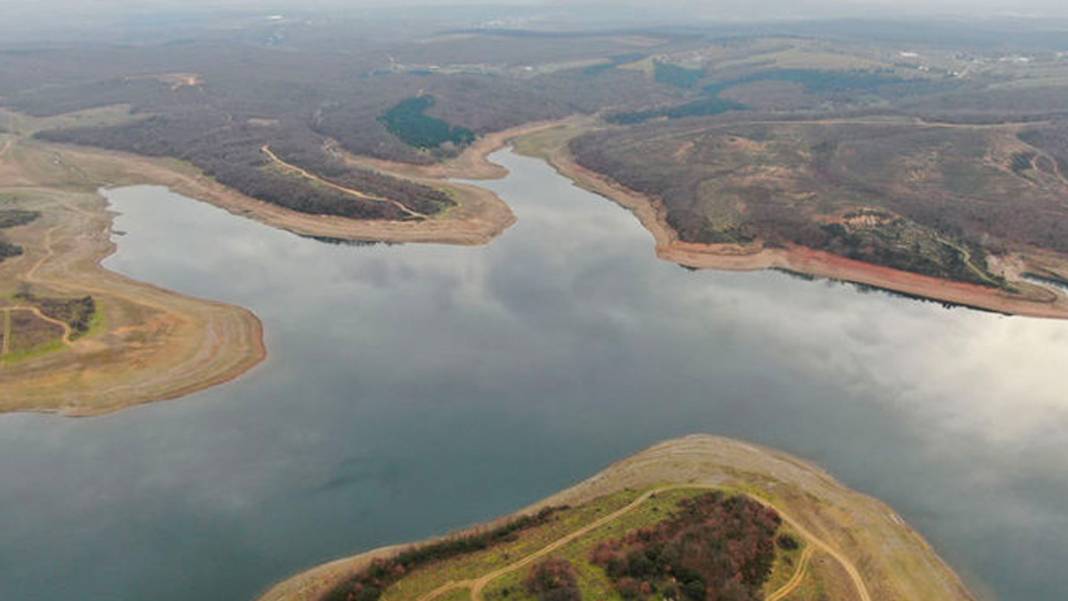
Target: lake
(415, 389)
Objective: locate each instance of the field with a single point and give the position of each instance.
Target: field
(830, 543)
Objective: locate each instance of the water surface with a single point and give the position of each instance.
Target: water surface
(415, 389)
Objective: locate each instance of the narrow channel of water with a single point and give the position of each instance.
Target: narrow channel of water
(415, 389)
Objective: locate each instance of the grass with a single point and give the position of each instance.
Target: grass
(475, 564)
(592, 579)
(785, 561)
(35, 352)
(97, 323)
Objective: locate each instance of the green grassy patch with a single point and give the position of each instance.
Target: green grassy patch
(40, 350)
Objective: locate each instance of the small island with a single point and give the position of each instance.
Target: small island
(700, 517)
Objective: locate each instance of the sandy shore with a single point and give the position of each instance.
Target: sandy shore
(892, 559)
(1031, 301)
(150, 344)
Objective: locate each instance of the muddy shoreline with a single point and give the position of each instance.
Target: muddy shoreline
(1034, 301)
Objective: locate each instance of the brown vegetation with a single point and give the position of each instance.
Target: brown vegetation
(716, 548)
(875, 554)
(790, 252)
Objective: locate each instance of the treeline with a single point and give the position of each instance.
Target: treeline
(369, 584)
(824, 84)
(704, 107)
(714, 548)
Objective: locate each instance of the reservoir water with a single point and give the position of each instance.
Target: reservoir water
(416, 389)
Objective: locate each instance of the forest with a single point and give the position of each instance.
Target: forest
(656, 92)
(839, 187)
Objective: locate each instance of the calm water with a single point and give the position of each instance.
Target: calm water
(415, 389)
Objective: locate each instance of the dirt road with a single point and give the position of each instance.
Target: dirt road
(356, 193)
(478, 585)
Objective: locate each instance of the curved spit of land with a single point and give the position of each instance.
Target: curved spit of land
(157, 344)
(151, 344)
(875, 555)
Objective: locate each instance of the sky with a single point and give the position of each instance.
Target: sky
(852, 7)
(27, 20)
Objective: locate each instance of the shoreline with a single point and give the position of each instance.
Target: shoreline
(854, 524)
(479, 216)
(178, 345)
(158, 345)
(1041, 302)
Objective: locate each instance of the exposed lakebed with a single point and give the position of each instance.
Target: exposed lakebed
(415, 389)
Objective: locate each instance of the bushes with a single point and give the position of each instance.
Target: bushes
(13, 218)
(16, 217)
(553, 580)
(787, 542)
(369, 584)
(75, 312)
(713, 548)
(8, 250)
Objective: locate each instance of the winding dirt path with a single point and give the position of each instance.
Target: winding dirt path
(477, 585)
(68, 332)
(795, 580)
(361, 195)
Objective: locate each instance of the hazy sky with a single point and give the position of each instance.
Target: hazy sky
(38, 20)
(768, 7)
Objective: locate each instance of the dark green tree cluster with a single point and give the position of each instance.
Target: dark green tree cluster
(409, 122)
(674, 75)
